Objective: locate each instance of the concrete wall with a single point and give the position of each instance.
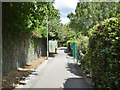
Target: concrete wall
(18, 52)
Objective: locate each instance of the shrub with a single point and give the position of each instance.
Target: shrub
(82, 44)
(104, 53)
(69, 49)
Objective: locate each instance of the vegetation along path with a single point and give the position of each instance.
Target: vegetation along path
(57, 72)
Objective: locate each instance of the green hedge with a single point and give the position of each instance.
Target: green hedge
(104, 53)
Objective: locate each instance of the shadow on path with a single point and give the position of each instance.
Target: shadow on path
(75, 83)
(71, 67)
(52, 54)
(65, 51)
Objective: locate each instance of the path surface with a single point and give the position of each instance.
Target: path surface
(57, 72)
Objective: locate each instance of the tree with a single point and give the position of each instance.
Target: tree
(28, 17)
(88, 14)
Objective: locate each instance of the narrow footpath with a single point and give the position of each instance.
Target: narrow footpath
(56, 72)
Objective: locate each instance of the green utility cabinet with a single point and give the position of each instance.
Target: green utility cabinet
(74, 51)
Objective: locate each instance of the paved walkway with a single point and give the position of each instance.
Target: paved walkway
(56, 72)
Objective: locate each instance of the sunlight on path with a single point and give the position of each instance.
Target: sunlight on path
(57, 72)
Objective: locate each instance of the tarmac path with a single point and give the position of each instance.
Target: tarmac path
(56, 72)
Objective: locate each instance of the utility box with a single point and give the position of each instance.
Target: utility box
(74, 51)
(52, 46)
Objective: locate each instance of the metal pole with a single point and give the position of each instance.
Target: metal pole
(47, 39)
(0, 46)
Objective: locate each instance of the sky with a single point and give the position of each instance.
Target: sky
(65, 7)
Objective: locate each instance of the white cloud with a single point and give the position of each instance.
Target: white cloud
(65, 20)
(71, 3)
(66, 3)
(65, 7)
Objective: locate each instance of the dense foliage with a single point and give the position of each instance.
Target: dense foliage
(67, 35)
(98, 41)
(20, 17)
(30, 17)
(98, 45)
(100, 55)
(88, 14)
(82, 44)
(104, 53)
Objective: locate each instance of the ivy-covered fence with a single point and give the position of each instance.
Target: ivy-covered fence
(23, 24)
(17, 52)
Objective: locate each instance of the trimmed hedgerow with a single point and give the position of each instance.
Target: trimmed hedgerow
(104, 53)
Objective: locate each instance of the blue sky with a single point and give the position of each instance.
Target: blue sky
(65, 7)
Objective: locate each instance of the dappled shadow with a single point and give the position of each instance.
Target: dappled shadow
(71, 67)
(75, 83)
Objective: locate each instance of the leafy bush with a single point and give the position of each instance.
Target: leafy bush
(82, 43)
(104, 53)
(69, 49)
(68, 46)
